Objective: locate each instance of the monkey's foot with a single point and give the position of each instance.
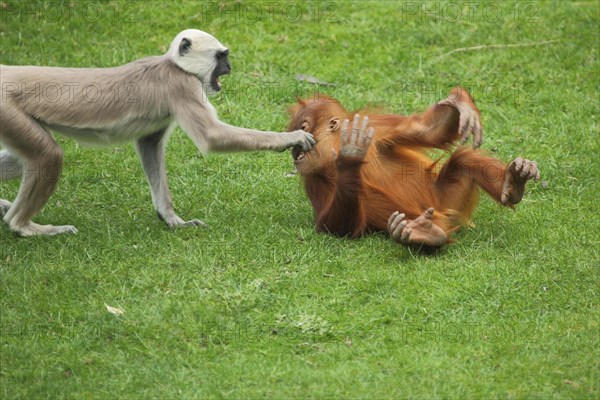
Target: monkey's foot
(421, 231)
(174, 221)
(192, 222)
(518, 172)
(33, 229)
(4, 207)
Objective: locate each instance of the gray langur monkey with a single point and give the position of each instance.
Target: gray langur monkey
(141, 101)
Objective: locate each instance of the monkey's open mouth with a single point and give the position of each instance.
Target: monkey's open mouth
(298, 154)
(215, 81)
(216, 84)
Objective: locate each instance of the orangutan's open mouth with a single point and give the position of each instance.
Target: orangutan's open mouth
(298, 154)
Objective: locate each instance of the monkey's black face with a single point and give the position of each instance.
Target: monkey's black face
(222, 68)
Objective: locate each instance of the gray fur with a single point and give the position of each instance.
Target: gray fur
(141, 101)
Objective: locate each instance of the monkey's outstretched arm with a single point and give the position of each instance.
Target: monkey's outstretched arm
(200, 122)
(231, 138)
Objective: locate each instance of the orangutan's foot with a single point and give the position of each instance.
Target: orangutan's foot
(518, 172)
(421, 231)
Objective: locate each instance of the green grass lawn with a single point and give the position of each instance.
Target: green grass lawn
(259, 305)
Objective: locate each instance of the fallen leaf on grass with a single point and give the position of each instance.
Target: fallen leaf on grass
(574, 384)
(113, 310)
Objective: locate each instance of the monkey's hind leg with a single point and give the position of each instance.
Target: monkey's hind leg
(41, 164)
(418, 231)
(4, 207)
(10, 168)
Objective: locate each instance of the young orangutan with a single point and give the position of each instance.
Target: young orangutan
(393, 185)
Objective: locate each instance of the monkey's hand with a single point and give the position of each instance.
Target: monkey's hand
(356, 144)
(470, 118)
(299, 139)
